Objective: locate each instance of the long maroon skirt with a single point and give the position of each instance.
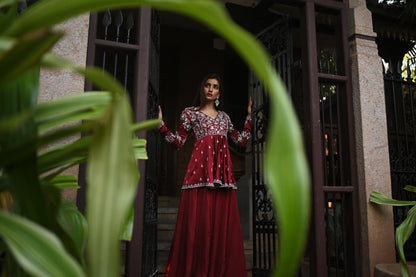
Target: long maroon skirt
(208, 240)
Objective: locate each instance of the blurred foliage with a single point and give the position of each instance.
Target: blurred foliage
(42, 235)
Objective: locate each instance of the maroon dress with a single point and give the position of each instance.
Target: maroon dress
(208, 240)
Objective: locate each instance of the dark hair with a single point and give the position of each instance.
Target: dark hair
(200, 97)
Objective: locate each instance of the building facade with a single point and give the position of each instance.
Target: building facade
(327, 52)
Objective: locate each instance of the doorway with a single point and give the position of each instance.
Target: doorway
(189, 51)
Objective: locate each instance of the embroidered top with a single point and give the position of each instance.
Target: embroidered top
(210, 164)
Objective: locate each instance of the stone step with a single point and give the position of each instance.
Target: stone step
(248, 244)
(162, 259)
(167, 201)
(163, 254)
(392, 270)
(167, 210)
(163, 245)
(166, 226)
(165, 235)
(167, 218)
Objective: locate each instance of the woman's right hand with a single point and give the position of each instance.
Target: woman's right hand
(160, 113)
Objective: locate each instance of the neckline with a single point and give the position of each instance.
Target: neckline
(213, 118)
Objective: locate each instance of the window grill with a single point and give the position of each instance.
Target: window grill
(400, 98)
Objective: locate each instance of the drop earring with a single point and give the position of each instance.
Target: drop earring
(217, 102)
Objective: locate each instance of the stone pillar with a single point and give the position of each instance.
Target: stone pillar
(373, 168)
(57, 84)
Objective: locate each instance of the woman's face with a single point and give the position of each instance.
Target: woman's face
(211, 89)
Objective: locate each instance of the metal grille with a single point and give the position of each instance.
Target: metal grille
(400, 95)
(116, 49)
(337, 192)
(149, 262)
(331, 132)
(277, 39)
(336, 238)
(264, 223)
(118, 25)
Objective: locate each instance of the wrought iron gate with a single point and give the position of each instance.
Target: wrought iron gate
(278, 41)
(149, 261)
(400, 95)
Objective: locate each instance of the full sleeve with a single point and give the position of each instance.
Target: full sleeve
(240, 138)
(178, 138)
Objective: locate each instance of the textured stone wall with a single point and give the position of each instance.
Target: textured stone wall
(56, 84)
(373, 168)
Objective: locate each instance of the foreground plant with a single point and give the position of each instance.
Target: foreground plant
(405, 229)
(112, 172)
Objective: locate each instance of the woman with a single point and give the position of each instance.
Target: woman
(208, 240)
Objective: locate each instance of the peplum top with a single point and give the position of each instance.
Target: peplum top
(210, 164)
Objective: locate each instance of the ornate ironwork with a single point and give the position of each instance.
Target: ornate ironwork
(277, 39)
(118, 26)
(274, 38)
(149, 265)
(400, 95)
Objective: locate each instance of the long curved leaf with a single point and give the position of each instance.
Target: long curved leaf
(379, 198)
(403, 232)
(75, 107)
(64, 154)
(286, 167)
(111, 147)
(25, 54)
(145, 125)
(37, 250)
(410, 188)
(84, 106)
(74, 224)
(64, 181)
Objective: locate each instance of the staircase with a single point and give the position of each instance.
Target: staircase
(167, 212)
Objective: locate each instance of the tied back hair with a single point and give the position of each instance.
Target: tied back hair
(200, 100)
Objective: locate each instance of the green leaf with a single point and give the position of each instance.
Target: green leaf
(29, 200)
(52, 174)
(74, 224)
(410, 188)
(145, 125)
(127, 230)
(75, 107)
(140, 149)
(5, 3)
(25, 54)
(62, 155)
(6, 19)
(285, 169)
(116, 185)
(379, 198)
(288, 180)
(403, 232)
(64, 181)
(15, 152)
(37, 250)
